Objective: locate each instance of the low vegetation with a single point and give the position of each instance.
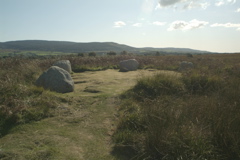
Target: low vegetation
(21, 101)
(171, 115)
(192, 116)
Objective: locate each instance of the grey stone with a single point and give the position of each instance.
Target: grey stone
(128, 65)
(184, 65)
(56, 79)
(64, 64)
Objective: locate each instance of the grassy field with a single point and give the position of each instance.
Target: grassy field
(192, 116)
(153, 113)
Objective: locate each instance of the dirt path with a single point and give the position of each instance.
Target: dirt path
(82, 125)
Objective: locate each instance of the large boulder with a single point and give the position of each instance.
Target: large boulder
(56, 79)
(64, 64)
(184, 65)
(128, 65)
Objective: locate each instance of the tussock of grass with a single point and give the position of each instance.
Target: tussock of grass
(195, 116)
(199, 83)
(160, 84)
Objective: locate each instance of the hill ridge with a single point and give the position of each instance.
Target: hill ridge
(77, 47)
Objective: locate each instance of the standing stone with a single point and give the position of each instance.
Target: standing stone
(128, 65)
(56, 79)
(185, 65)
(64, 64)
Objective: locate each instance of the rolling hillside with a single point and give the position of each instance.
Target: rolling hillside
(74, 47)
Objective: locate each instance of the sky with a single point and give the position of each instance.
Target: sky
(209, 25)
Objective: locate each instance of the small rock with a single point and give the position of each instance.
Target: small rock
(185, 65)
(128, 65)
(64, 64)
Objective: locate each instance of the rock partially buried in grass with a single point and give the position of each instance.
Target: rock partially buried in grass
(56, 79)
(128, 65)
(64, 64)
(185, 66)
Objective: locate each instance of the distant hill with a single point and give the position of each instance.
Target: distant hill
(174, 50)
(63, 46)
(74, 47)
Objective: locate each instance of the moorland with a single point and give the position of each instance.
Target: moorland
(156, 112)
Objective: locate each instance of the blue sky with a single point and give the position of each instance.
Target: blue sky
(212, 25)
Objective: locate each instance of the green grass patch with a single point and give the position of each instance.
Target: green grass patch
(78, 69)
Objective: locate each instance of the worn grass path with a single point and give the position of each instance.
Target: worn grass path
(81, 126)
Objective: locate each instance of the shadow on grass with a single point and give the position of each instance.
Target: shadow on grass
(123, 152)
(6, 125)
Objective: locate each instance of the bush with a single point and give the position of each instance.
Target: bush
(92, 54)
(111, 53)
(80, 54)
(124, 53)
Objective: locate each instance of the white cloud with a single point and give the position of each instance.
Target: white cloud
(192, 4)
(183, 25)
(232, 1)
(183, 4)
(220, 3)
(204, 5)
(165, 3)
(177, 25)
(238, 10)
(227, 25)
(137, 25)
(158, 6)
(119, 24)
(158, 23)
(148, 6)
(224, 2)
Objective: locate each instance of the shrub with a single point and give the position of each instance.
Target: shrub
(124, 53)
(92, 54)
(111, 53)
(80, 54)
(189, 55)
